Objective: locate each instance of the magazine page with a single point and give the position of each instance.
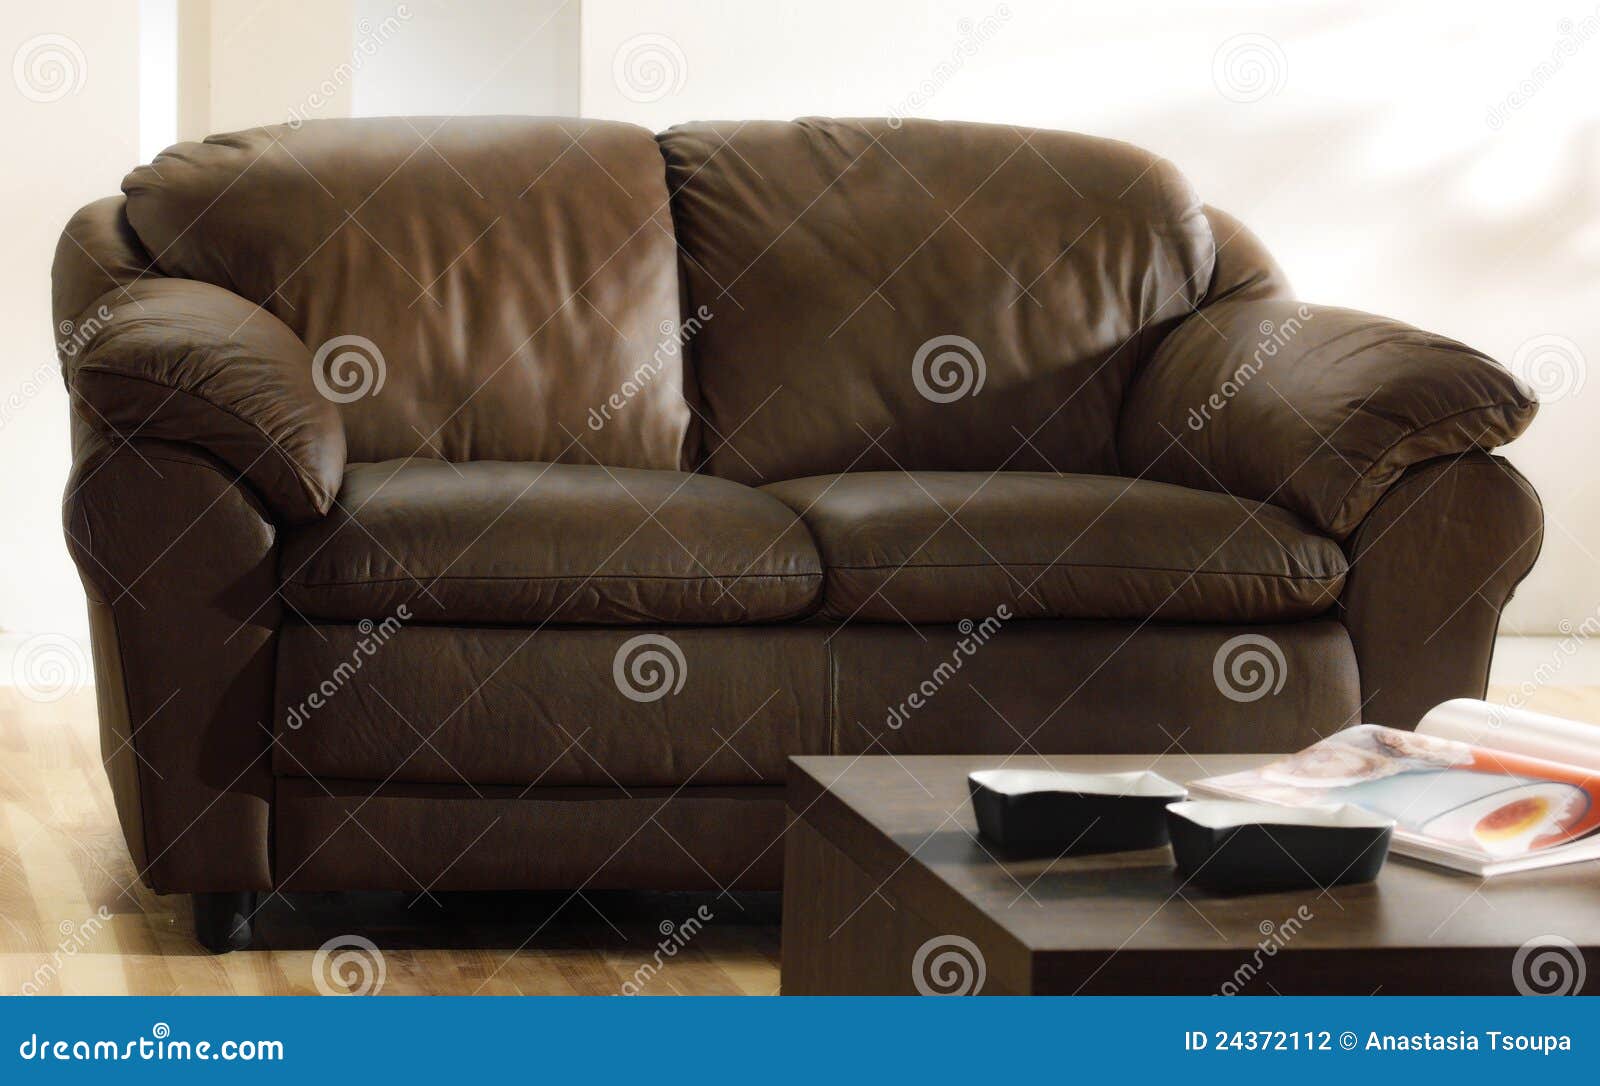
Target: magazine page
(1448, 795)
(1515, 731)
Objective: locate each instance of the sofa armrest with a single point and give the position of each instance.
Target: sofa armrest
(1315, 409)
(179, 561)
(1431, 569)
(184, 361)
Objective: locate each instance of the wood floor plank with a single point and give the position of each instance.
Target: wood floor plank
(19, 916)
(532, 973)
(588, 972)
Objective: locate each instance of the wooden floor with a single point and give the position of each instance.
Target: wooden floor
(74, 921)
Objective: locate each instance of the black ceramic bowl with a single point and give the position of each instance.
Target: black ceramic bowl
(1032, 812)
(1231, 848)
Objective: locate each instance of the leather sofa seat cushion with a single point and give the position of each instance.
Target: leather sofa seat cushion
(945, 546)
(530, 543)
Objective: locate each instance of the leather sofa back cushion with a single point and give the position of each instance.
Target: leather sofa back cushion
(831, 252)
(513, 273)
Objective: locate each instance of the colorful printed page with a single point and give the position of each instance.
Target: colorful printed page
(1448, 795)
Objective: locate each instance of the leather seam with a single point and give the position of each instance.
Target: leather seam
(1087, 565)
(424, 578)
(1412, 479)
(320, 498)
(1377, 461)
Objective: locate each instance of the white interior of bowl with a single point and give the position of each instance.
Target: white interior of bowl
(1017, 782)
(1217, 814)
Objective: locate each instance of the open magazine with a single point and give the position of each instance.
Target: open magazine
(1477, 787)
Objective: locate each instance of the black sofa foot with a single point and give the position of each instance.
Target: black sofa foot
(222, 921)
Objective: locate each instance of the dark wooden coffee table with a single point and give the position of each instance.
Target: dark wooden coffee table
(889, 890)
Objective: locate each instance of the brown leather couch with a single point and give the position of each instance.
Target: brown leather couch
(498, 502)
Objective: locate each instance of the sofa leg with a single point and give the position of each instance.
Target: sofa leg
(222, 921)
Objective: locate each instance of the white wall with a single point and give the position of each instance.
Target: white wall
(1371, 145)
(71, 129)
(158, 76)
(245, 63)
(472, 56)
